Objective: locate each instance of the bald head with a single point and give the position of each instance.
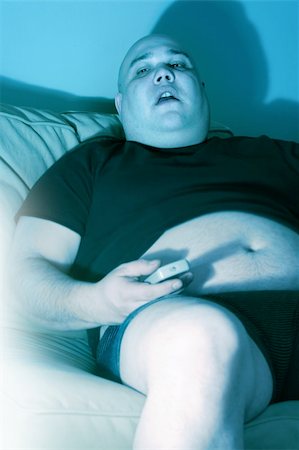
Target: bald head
(161, 101)
(138, 49)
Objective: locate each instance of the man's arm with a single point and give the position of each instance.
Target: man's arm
(41, 257)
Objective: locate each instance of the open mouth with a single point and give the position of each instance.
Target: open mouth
(166, 97)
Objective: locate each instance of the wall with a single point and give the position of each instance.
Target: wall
(65, 55)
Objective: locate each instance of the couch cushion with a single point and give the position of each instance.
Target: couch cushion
(277, 428)
(55, 401)
(51, 398)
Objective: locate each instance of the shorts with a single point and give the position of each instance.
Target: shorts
(271, 319)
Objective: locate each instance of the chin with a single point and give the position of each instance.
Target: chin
(170, 122)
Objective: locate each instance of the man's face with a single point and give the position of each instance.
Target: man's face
(161, 100)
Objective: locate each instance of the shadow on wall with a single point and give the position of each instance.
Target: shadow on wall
(233, 65)
(23, 94)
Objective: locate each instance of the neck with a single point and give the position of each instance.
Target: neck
(167, 140)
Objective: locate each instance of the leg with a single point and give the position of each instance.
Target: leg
(202, 375)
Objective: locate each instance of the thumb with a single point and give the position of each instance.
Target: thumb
(137, 268)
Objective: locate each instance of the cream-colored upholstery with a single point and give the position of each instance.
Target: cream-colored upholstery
(51, 398)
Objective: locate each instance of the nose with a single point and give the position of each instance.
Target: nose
(164, 73)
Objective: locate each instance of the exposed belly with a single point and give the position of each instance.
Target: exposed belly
(231, 251)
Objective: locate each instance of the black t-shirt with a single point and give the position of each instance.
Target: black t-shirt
(120, 196)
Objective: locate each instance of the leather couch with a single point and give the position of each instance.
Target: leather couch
(50, 396)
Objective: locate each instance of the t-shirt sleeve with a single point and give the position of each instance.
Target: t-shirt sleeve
(290, 150)
(64, 193)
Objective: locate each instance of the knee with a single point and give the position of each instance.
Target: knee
(201, 333)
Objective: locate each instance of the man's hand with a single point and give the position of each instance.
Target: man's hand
(41, 256)
(121, 291)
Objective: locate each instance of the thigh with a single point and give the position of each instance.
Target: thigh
(271, 319)
(184, 322)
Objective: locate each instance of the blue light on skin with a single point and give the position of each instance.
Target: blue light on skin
(154, 65)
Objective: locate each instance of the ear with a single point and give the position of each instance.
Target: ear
(118, 99)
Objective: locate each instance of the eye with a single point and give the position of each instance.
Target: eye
(142, 71)
(178, 65)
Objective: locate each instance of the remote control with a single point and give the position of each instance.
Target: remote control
(172, 270)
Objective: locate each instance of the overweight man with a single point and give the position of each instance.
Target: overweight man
(210, 350)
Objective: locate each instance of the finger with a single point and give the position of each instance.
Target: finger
(145, 292)
(186, 278)
(137, 268)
